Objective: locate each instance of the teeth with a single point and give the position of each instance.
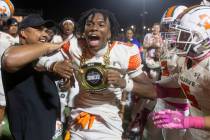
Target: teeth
(93, 35)
(42, 40)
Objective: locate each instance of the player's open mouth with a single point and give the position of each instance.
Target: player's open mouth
(93, 40)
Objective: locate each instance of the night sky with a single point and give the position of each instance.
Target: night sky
(128, 12)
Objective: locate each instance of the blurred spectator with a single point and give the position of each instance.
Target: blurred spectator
(153, 39)
(121, 37)
(1, 24)
(130, 38)
(67, 26)
(12, 29)
(54, 35)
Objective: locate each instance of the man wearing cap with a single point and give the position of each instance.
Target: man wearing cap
(31, 96)
(12, 29)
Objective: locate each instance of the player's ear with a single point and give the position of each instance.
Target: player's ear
(22, 34)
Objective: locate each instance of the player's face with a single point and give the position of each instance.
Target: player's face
(97, 31)
(35, 35)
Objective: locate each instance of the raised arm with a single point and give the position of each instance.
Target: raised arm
(15, 57)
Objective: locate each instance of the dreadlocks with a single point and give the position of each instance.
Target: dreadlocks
(114, 25)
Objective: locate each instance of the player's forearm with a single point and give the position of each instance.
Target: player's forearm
(144, 90)
(207, 122)
(47, 61)
(143, 87)
(169, 82)
(198, 122)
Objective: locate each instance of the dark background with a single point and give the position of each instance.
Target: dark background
(128, 12)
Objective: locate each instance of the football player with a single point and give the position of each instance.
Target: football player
(193, 38)
(173, 97)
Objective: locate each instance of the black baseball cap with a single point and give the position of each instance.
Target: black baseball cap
(11, 21)
(35, 20)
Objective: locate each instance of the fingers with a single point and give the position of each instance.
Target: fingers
(65, 74)
(54, 47)
(161, 120)
(170, 126)
(63, 69)
(114, 78)
(168, 119)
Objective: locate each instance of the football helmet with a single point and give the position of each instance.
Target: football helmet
(192, 29)
(205, 2)
(6, 9)
(168, 18)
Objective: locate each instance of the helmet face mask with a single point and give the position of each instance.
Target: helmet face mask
(168, 18)
(182, 38)
(189, 43)
(167, 33)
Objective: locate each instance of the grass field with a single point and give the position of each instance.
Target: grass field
(5, 132)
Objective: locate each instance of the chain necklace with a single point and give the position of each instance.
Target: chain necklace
(86, 52)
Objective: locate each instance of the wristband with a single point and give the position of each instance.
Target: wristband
(129, 84)
(48, 65)
(194, 122)
(163, 92)
(52, 67)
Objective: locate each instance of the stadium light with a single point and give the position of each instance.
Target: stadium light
(132, 26)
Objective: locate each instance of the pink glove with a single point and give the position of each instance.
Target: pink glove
(175, 119)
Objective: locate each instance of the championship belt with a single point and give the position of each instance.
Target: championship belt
(93, 77)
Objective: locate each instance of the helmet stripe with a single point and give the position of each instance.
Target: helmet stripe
(186, 11)
(11, 7)
(170, 11)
